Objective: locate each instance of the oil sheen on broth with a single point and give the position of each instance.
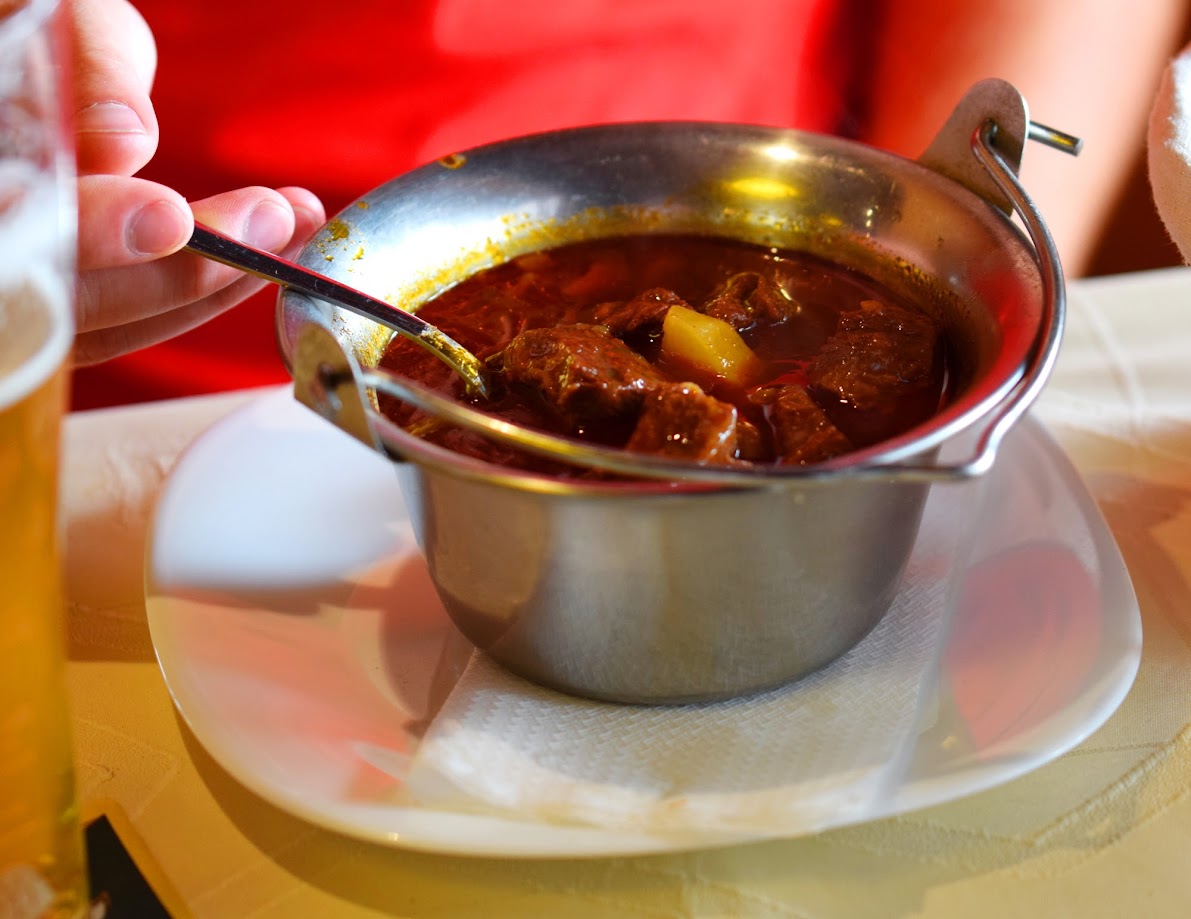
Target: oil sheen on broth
(692, 347)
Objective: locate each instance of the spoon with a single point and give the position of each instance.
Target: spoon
(214, 245)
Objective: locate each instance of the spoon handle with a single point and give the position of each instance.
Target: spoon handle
(214, 245)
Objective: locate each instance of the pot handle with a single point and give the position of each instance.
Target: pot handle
(996, 101)
(981, 147)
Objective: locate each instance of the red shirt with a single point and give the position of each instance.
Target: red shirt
(341, 97)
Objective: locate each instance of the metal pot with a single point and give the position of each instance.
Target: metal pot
(654, 591)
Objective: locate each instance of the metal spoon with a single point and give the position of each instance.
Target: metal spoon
(213, 245)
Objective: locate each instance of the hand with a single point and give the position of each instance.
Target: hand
(135, 287)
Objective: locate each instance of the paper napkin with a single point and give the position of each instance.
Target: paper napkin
(821, 751)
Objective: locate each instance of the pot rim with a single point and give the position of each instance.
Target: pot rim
(1029, 337)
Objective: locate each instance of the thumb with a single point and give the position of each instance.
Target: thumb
(115, 59)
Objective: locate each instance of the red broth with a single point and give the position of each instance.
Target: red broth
(840, 361)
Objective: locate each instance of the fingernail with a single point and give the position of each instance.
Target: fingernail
(306, 221)
(268, 226)
(157, 229)
(109, 118)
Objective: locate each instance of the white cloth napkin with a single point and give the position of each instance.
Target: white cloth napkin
(821, 751)
(1169, 151)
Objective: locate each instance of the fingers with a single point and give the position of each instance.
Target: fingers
(125, 221)
(135, 286)
(130, 304)
(115, 59)
(309, 213)
(104, 344)
(126, 290)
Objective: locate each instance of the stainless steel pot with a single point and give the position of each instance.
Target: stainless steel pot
(661, 591)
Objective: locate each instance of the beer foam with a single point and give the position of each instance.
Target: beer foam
(37, 240)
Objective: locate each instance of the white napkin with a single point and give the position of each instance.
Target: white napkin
(821, 751)
(1169, 151)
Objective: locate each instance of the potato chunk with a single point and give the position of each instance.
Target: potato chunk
(707, 345)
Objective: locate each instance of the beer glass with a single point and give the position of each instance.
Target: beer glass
(42, 872)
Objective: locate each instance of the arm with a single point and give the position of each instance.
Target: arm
(1090, 69)
(135, 286)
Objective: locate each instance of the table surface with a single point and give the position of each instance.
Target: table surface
(1104, 830)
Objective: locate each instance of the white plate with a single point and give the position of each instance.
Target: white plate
(301, 639)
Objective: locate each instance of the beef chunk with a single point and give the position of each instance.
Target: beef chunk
(877, 352)
(581, 371)
(680, 421)
(747, 297)
(750, 442)
(646, 310)
(802, 432)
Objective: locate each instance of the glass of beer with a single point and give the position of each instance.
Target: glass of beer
(42, 869)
